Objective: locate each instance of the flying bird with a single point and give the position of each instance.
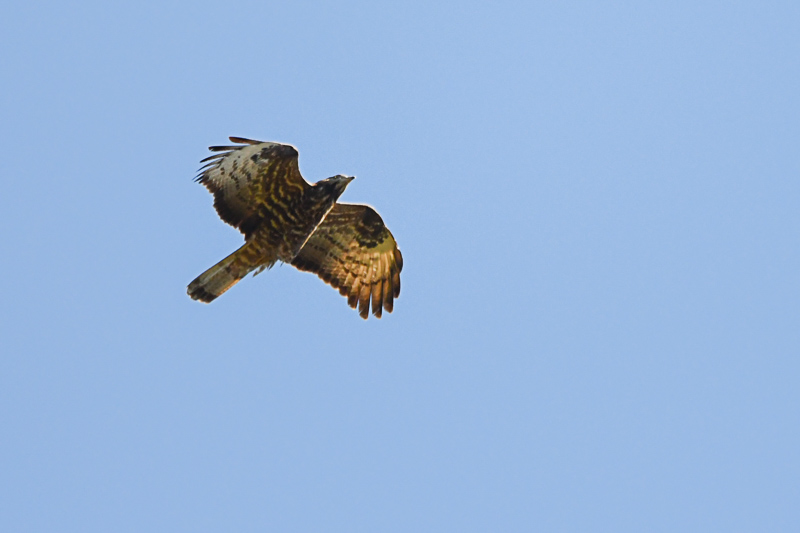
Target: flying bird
(258, 189)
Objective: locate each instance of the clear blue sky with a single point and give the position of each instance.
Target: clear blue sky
(597, 203)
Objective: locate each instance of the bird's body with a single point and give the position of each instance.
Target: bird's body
(258, 189)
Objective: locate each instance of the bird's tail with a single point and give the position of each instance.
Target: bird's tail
(225, 274)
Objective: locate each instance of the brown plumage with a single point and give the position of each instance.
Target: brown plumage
(258, 189)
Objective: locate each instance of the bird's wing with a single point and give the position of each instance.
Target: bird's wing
(354, 252)
(252, 179)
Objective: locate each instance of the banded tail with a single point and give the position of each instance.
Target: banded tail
(225, 274)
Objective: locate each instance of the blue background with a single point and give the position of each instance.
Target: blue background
(597, 203)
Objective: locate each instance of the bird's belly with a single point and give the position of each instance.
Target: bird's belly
(284, 245)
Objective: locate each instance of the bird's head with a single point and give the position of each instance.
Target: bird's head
(335, 186)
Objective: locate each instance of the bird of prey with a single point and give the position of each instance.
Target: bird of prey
(258, 189)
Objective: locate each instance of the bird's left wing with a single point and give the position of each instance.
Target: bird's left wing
(353, 251)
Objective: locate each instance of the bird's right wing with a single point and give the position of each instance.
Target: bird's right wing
(252, 180)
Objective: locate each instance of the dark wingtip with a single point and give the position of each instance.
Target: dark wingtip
(243, 140)
(223, 148)
(377, 298)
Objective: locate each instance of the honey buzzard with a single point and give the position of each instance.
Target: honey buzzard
(258, 189)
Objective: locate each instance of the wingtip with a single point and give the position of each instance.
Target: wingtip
(243, 140)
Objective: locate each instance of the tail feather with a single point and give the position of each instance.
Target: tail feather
(224, 275)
